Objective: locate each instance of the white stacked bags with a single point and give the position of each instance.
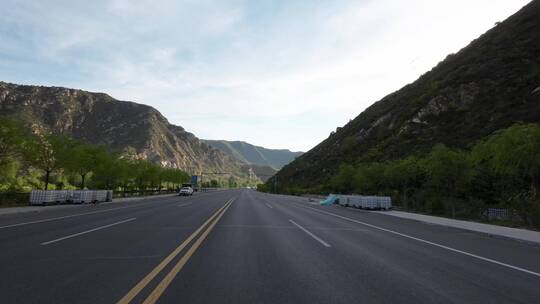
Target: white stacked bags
(47, 197)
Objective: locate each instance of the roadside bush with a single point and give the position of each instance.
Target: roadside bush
(500, 170)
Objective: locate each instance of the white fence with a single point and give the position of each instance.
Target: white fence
(47, 197)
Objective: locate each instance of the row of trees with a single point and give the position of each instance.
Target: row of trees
(230, 182)
(29, 160)
(501, 171)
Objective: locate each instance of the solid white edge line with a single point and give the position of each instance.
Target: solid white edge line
(430, 243)
(87, 231)
(325, 244)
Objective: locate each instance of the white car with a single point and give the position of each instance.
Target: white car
(185, 191)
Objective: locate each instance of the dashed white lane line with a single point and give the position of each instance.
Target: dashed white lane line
(73, 215)
(318, 239)
(429, 242)
(87, 231)
(185, 204)
(269, 206)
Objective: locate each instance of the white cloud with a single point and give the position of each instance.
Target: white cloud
(283, 75)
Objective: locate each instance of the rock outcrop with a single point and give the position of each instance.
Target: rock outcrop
(489, 85)
(122, 126)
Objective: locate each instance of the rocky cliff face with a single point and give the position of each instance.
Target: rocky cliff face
(489, 85)
(121, 126)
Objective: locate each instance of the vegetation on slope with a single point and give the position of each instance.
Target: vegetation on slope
(500, 171)
(45, 161)
(255, 155)
(461, 138)
(490, 85)
(121, 126)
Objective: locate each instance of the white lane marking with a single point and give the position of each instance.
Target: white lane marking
(87, 231)
(269, 206)
(256, 226)
(182, 205)
(72, 215)
(325, 244)
(430, 243)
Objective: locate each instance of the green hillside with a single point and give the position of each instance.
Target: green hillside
(489, 85)
(255, 155)
(121, 126)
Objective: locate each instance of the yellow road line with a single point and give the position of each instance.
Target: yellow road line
(158, 291)
(149, 277)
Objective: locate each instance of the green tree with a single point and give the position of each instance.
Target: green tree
(167, 176)
(405, 175)
(12, 138)
(214, 183)
(342, 182)
(45, 153)
(8, 175)
(153, 175)
(82, 159)
(449, 173)
(110, 171)
(232, 182)
(139, 168)
(513, 157)
(516, 153)
(369, 178)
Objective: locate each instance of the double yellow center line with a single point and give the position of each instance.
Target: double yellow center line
(160, 288)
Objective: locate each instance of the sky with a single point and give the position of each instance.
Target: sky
(279, 74)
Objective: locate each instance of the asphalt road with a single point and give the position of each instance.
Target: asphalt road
(241, 246)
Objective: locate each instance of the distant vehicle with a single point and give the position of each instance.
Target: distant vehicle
(192, 186)
(185, 191)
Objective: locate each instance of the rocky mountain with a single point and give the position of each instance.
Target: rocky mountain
(121, 126)
(255, 155)
(491, 84)
(264, 173)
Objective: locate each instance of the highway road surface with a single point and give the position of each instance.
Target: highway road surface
(241, 246)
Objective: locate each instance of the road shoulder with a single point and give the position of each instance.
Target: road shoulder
(493, 230)
(38, 209)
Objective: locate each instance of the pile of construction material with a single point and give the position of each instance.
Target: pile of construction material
(360, 201)
(50, 197)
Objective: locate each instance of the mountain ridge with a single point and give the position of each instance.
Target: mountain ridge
(488, 85)
(255, 155)
(121, 126)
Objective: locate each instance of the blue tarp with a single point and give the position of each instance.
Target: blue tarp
(332, 198)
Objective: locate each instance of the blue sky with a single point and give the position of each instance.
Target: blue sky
(279, 74)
